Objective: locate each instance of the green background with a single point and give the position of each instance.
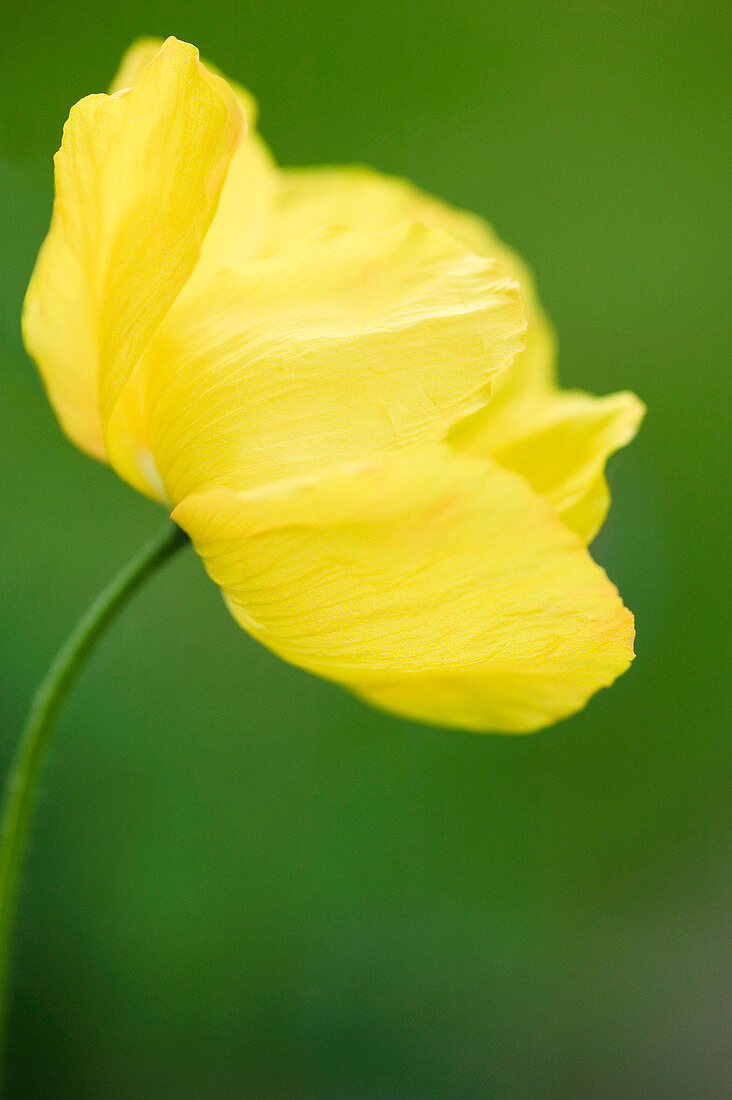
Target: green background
(242, 882)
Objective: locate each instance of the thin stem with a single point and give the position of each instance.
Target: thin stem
(22, 781)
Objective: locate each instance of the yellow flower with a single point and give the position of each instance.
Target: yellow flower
(328, 377)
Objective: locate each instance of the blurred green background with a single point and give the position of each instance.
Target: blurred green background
(243, 883)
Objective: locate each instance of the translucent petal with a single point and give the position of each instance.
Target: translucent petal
(367, 200)
(138, 178)
(560, 444)
(243, 218)
(344, 346)
(559, 441)
(435, 585)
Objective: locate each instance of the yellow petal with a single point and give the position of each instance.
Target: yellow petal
(136, 58)
(246, 207)
(560, 444)
(245, 210)
(367, 200)
(344, 346)
(138, 178)
(436, 585)
(559, 441)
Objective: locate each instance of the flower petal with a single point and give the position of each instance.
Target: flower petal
(367, 200)
(558, 441)
(138, 178)
(344, 346)
(246, 206)
(436, 585)
(245, 210)
(560, 444)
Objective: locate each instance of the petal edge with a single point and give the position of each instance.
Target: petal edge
(435, 585)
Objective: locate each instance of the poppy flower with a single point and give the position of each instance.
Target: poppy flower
(344, 391)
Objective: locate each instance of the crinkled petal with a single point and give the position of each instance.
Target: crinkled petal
(558, 441)
(138, 178)
(246, 207)
(344, 346)
(365, 199)
(436, 585)
(560, 445)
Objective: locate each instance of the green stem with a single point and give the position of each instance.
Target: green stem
(22, 781)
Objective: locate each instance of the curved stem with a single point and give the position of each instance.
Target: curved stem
(22, 781)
